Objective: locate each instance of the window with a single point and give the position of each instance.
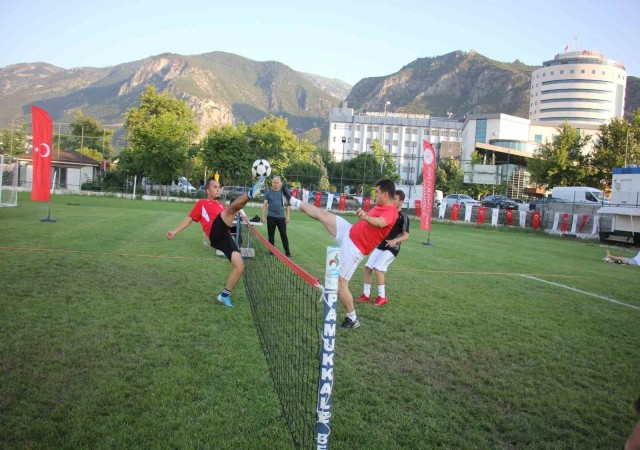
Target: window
(356, 141)
(427, 132)
(582, 71)
(445, 133)
(396, 129)
(357, 127)
(435, 132)
(414, 131)
(348, 140)
(376, 128)
(561, 72)
(551, 73)
(350, 127)
(395, 143)
(386, 142)
(387, 130)
(368, 127)
(571, 71)
(538, 138)
(593, 72)
(334, 139)
(407, 143)
(368, 141)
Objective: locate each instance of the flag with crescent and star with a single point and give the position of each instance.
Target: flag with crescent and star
(42, 143)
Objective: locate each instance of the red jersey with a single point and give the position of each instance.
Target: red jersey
(204, 211)
(367, 237)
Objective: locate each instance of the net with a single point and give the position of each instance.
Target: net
(8, 180)
(288, 316)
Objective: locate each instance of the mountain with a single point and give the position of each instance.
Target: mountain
(219, 87)
(457, 83)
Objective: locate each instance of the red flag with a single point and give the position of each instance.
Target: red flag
(454, 211)
(318, 198)
(509, 217)
(428, 184)
(585, 219)
(367, 204)
(294, 194)
(42, 143)
(535, 219)
(418, 208)
(481, 215)
(343, 200)
(565, 222)
(566, 47)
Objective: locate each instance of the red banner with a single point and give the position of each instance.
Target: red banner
(367, 204)
(343, 201)
(481, 213)
(585, 219)
(318, 198)
(454, 211)
(535, 219)
(418, 208)
(428, 185)
(295, 193)
(509, 214)
(565, 222)
(42, 143)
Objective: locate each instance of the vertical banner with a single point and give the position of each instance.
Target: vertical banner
(523, 218)
(454, 211)
(509, 214)
(565, 223)
(596, 225)
(418, 208)
(494, 217)
(329, 316)
(574, 224)
(481, 213)
(585, 219)
(318, 198)
(442, 210)
(367, 203)
(295, 192)
(535, 219)
(467, 213)
(343, 201)
(305, 195)
(329, 201)
(42, 143)
(556, 220)
(428, 185)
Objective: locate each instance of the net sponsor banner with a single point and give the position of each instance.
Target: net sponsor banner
(343, 201)
(585, 219)
(42, 143)
(329, 201)
(442, 210)
(481, 215)
(596, 225)
(428, 185)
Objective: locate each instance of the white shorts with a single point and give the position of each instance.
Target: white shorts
(350, 255)
(380, 260)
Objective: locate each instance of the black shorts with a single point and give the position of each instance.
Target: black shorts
(221, 238)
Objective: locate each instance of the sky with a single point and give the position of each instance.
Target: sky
(349, 39)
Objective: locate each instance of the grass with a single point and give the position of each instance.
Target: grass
(109, 339)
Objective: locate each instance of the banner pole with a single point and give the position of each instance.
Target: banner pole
(48, 218)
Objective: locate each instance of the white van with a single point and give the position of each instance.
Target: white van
(182, 185)
(578, 194)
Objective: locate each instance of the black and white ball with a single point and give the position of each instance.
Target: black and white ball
(260, 167)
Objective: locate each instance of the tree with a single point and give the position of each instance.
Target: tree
(14, 141)
(274, 141)
(87, 133)
(616, 147)
(160, 131)
(226, 151)
(449, 176)
(562, 162)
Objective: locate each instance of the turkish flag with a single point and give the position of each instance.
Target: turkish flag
(565, 222)
(535, 219)
(481, 215)
(318, 197)
(428, 185)
(454, 211)
(343, 200)
(294, 194)
(585, 219)
(42, 143)
(509, 217)
(418, 208)
(367, 204)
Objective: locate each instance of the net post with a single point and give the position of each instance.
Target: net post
(329, 322)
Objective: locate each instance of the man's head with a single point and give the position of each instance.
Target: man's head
(385, 192)
(399, 199)
(213, 189)
(276, 183)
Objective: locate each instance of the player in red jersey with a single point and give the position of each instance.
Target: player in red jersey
(216, 222)
(355, 241)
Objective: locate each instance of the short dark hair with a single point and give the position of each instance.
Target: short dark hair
(400, 193)
(387, 186)
(209, 180)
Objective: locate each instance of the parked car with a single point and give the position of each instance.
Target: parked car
(499, 201)
(232, 192)
(182, 186)
(461, 199)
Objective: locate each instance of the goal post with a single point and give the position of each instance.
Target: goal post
(8, 180)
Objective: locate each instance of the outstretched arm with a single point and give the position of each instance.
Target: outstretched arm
(184, 224)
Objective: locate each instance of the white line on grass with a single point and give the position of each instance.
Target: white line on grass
(602, 297)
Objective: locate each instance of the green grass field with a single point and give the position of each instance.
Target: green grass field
(109, 339)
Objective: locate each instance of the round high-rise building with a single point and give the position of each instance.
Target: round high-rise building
(580, 87)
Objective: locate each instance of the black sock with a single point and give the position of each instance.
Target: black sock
(226, 292)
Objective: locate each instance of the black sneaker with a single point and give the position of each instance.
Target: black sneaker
(286, 193)
(348, 323)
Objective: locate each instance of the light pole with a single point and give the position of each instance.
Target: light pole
(384, 125)
(413, 148)
(344, 140)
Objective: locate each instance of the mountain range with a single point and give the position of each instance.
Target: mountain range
(224, 88)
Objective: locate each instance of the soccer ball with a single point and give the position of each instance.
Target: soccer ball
(260, 167)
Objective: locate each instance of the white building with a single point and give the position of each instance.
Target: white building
(400, 135)
(580, 87)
